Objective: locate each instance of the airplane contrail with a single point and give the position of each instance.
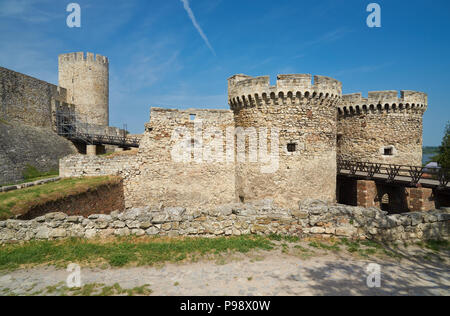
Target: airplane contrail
(196, 25)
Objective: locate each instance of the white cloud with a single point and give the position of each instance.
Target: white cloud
(29, 10)
(196, 25)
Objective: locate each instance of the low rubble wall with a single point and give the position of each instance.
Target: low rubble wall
(311, 218)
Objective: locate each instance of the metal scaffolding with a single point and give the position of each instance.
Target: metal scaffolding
(75, 127)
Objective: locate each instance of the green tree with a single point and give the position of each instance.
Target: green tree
(443, 158)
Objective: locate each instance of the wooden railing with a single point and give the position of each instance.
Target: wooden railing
(392, 173)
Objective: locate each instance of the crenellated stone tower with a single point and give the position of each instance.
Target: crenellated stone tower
(383, 128)
(86, 79)
(305, 115)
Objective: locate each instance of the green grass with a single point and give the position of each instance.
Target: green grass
(31, 173)
(122, 252)
(352, 246)
(320, 245)
(21, 201)
(302, 249)
(437, 245)
(291, 239)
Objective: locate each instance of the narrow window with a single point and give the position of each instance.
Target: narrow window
(385, 202)
(388, 151)
(291, 147)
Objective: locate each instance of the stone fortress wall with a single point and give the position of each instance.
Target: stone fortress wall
(153, 177)
(316, 127)
(305, 115)
(178, 163)
(22, 146)
(86, 78)
(383, 128)
(27, 99)
(161, 178)
(28, 108)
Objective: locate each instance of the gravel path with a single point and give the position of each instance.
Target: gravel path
(271, 274)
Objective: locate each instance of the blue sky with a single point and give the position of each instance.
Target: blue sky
(159, 58)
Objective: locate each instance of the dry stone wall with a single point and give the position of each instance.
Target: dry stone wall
(382, 128)
(310, 218)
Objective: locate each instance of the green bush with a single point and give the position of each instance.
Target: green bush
(443, 158)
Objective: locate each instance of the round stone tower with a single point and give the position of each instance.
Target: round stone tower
(86, 79)
(301, 115)
(383, 128)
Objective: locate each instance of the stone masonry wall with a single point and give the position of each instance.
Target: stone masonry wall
(398, 199)
(27, 99)
(95, 166)
(310, 218)
(367, 126)
(159, 178)
(153, 177)
(22, 145)
(305, 115)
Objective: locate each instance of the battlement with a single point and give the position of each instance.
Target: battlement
(244, 90)
(409, 101)
(81, 56)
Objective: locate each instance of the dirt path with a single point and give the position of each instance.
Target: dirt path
(263, 273)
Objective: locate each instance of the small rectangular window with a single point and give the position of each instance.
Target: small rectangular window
(292, 147)
(192, 117)
(388, 151)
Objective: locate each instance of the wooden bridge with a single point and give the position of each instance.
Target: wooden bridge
(404, 175)
(394, 188)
